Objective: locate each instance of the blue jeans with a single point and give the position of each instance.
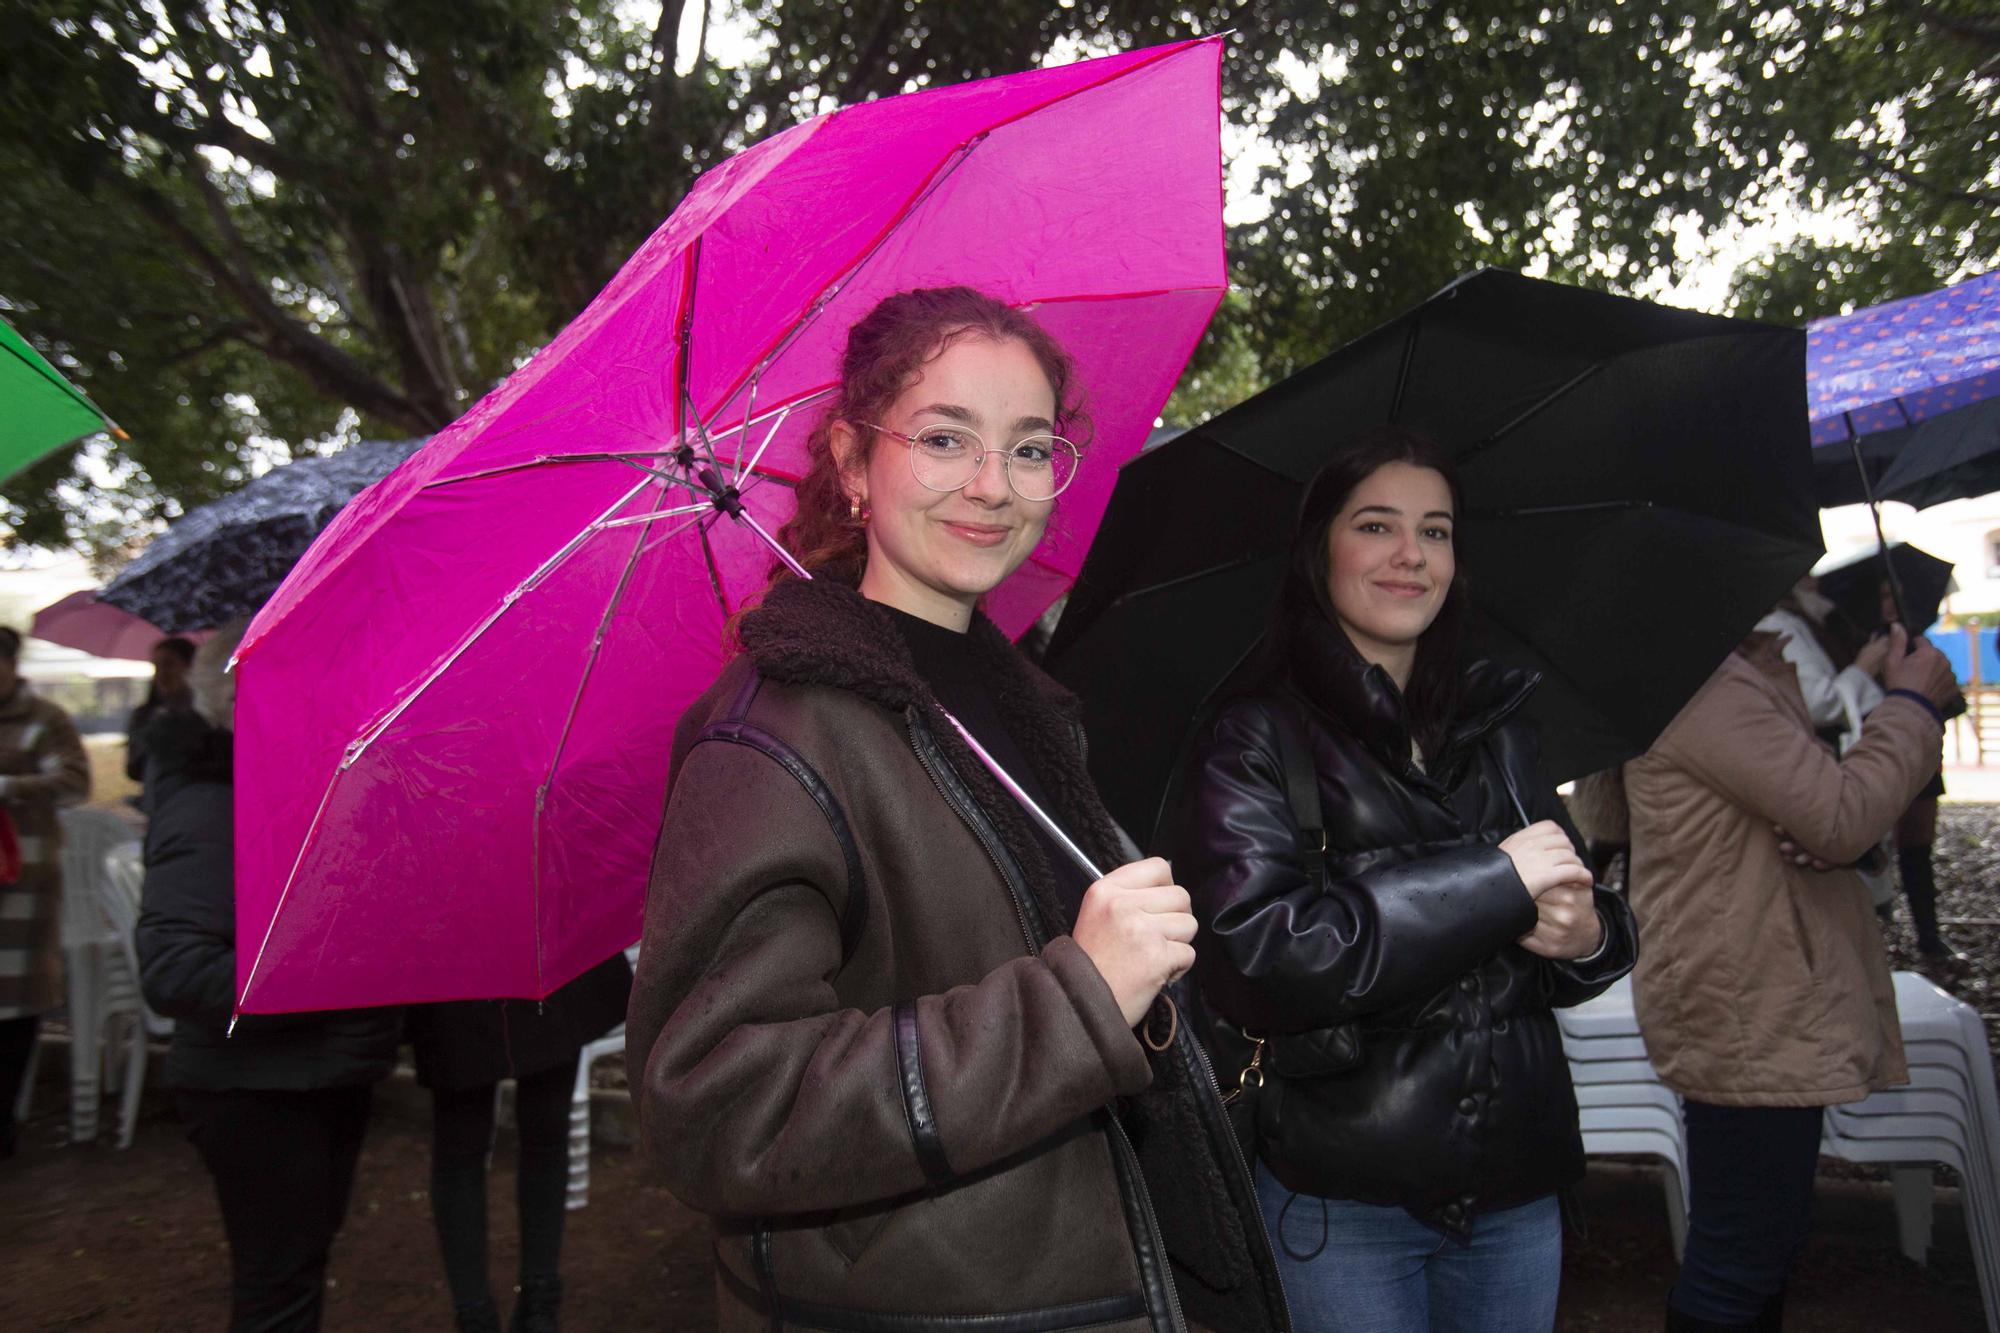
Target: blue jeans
(1382, 1271)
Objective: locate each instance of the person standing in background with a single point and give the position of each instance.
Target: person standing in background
(169, 692)
(279, 1106)
(1763, 990)
(463, 1049)
(42, 768)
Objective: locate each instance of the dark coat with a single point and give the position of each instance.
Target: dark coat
(1459, 1100)
(472, 1043)
(862, 1041)
(186, 942)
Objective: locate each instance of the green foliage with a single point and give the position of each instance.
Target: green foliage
(246, 226)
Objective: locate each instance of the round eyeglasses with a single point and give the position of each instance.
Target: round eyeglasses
(947, 458)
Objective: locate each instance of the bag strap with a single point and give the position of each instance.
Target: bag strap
(1301, 779)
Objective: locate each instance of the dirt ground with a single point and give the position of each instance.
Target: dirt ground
(93, 1238)
(98, 1239)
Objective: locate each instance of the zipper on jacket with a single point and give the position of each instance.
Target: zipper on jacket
(1176, 1320)
(1249, 1173)
(934, 766)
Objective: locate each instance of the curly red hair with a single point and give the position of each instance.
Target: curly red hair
(886, 350)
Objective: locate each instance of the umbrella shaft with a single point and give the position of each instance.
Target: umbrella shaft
(1027, 802)
(1881, 540)
(993, 766)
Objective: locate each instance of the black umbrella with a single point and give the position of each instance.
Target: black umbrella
(1854, 585)
(225, 559)
(1638, 490)
(1951, 456)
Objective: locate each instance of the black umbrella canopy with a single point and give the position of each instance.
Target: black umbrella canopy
(1952, 456)
(1638, 489)
(225, 559)
(1854, 585)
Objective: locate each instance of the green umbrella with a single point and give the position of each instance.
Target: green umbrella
(41, 410)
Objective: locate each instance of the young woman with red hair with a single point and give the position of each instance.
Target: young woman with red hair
(883, 1032)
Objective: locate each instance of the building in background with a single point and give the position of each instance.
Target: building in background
(98, 692)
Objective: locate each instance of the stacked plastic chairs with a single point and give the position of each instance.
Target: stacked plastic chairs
(610, 1044)
(1949, 1112)
(124, 877)
(103, 989)
(1621, 1104)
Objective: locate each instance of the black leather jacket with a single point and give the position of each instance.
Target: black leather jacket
(1458, 1100)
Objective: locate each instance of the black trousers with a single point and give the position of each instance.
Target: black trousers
(462, 1136)
(1750, 1182)
(17, 1043)
(283, 1164)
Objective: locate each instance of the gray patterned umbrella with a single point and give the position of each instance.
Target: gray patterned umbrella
(225, 559)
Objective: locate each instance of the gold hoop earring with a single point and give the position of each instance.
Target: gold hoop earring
(854, 510)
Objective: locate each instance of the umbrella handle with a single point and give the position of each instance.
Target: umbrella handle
(725, 500)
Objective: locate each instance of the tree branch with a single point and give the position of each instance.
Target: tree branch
(1917, 181)
(868, 64)
(332, 370)
(1985, 36)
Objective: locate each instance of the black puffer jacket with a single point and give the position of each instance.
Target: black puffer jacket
(1459, 1099)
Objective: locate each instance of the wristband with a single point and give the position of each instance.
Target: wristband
(1603, 943)
(1937, 714)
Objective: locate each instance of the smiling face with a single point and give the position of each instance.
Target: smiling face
(935, 554)
(1390, 561)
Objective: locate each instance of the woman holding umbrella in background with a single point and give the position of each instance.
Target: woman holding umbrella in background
(879, 1020)
(1765, 994)
(1390, 972)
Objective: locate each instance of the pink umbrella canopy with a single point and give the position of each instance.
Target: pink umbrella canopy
(454, 717)
(82, 622)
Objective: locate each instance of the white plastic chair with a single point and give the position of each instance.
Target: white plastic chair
(124, 875)
(1949, 1113)
(1622, 1107)
(1585, 1071)
(1599, 1140)
(96, 991)
(610, 1044)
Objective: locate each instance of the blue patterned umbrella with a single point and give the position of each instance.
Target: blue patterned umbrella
(1903, 362)
(225, 559)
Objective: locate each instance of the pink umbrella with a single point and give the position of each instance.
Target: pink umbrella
(454, 716)
(82, 622)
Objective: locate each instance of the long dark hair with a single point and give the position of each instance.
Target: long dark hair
(1436, 679)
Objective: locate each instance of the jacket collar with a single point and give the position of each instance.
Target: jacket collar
(823, 633)
(1358, 697)
(19, 702)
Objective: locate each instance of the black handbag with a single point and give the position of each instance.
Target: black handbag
(1312, 1054)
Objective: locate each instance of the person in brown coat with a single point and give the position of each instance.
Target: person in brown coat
(1762, 987)
(42, 768)
(882, 1031)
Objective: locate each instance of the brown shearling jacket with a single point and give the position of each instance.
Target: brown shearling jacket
(862, 1041)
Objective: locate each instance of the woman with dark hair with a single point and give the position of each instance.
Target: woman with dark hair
(1392, 903)
(882, 1030)
(168, 692)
